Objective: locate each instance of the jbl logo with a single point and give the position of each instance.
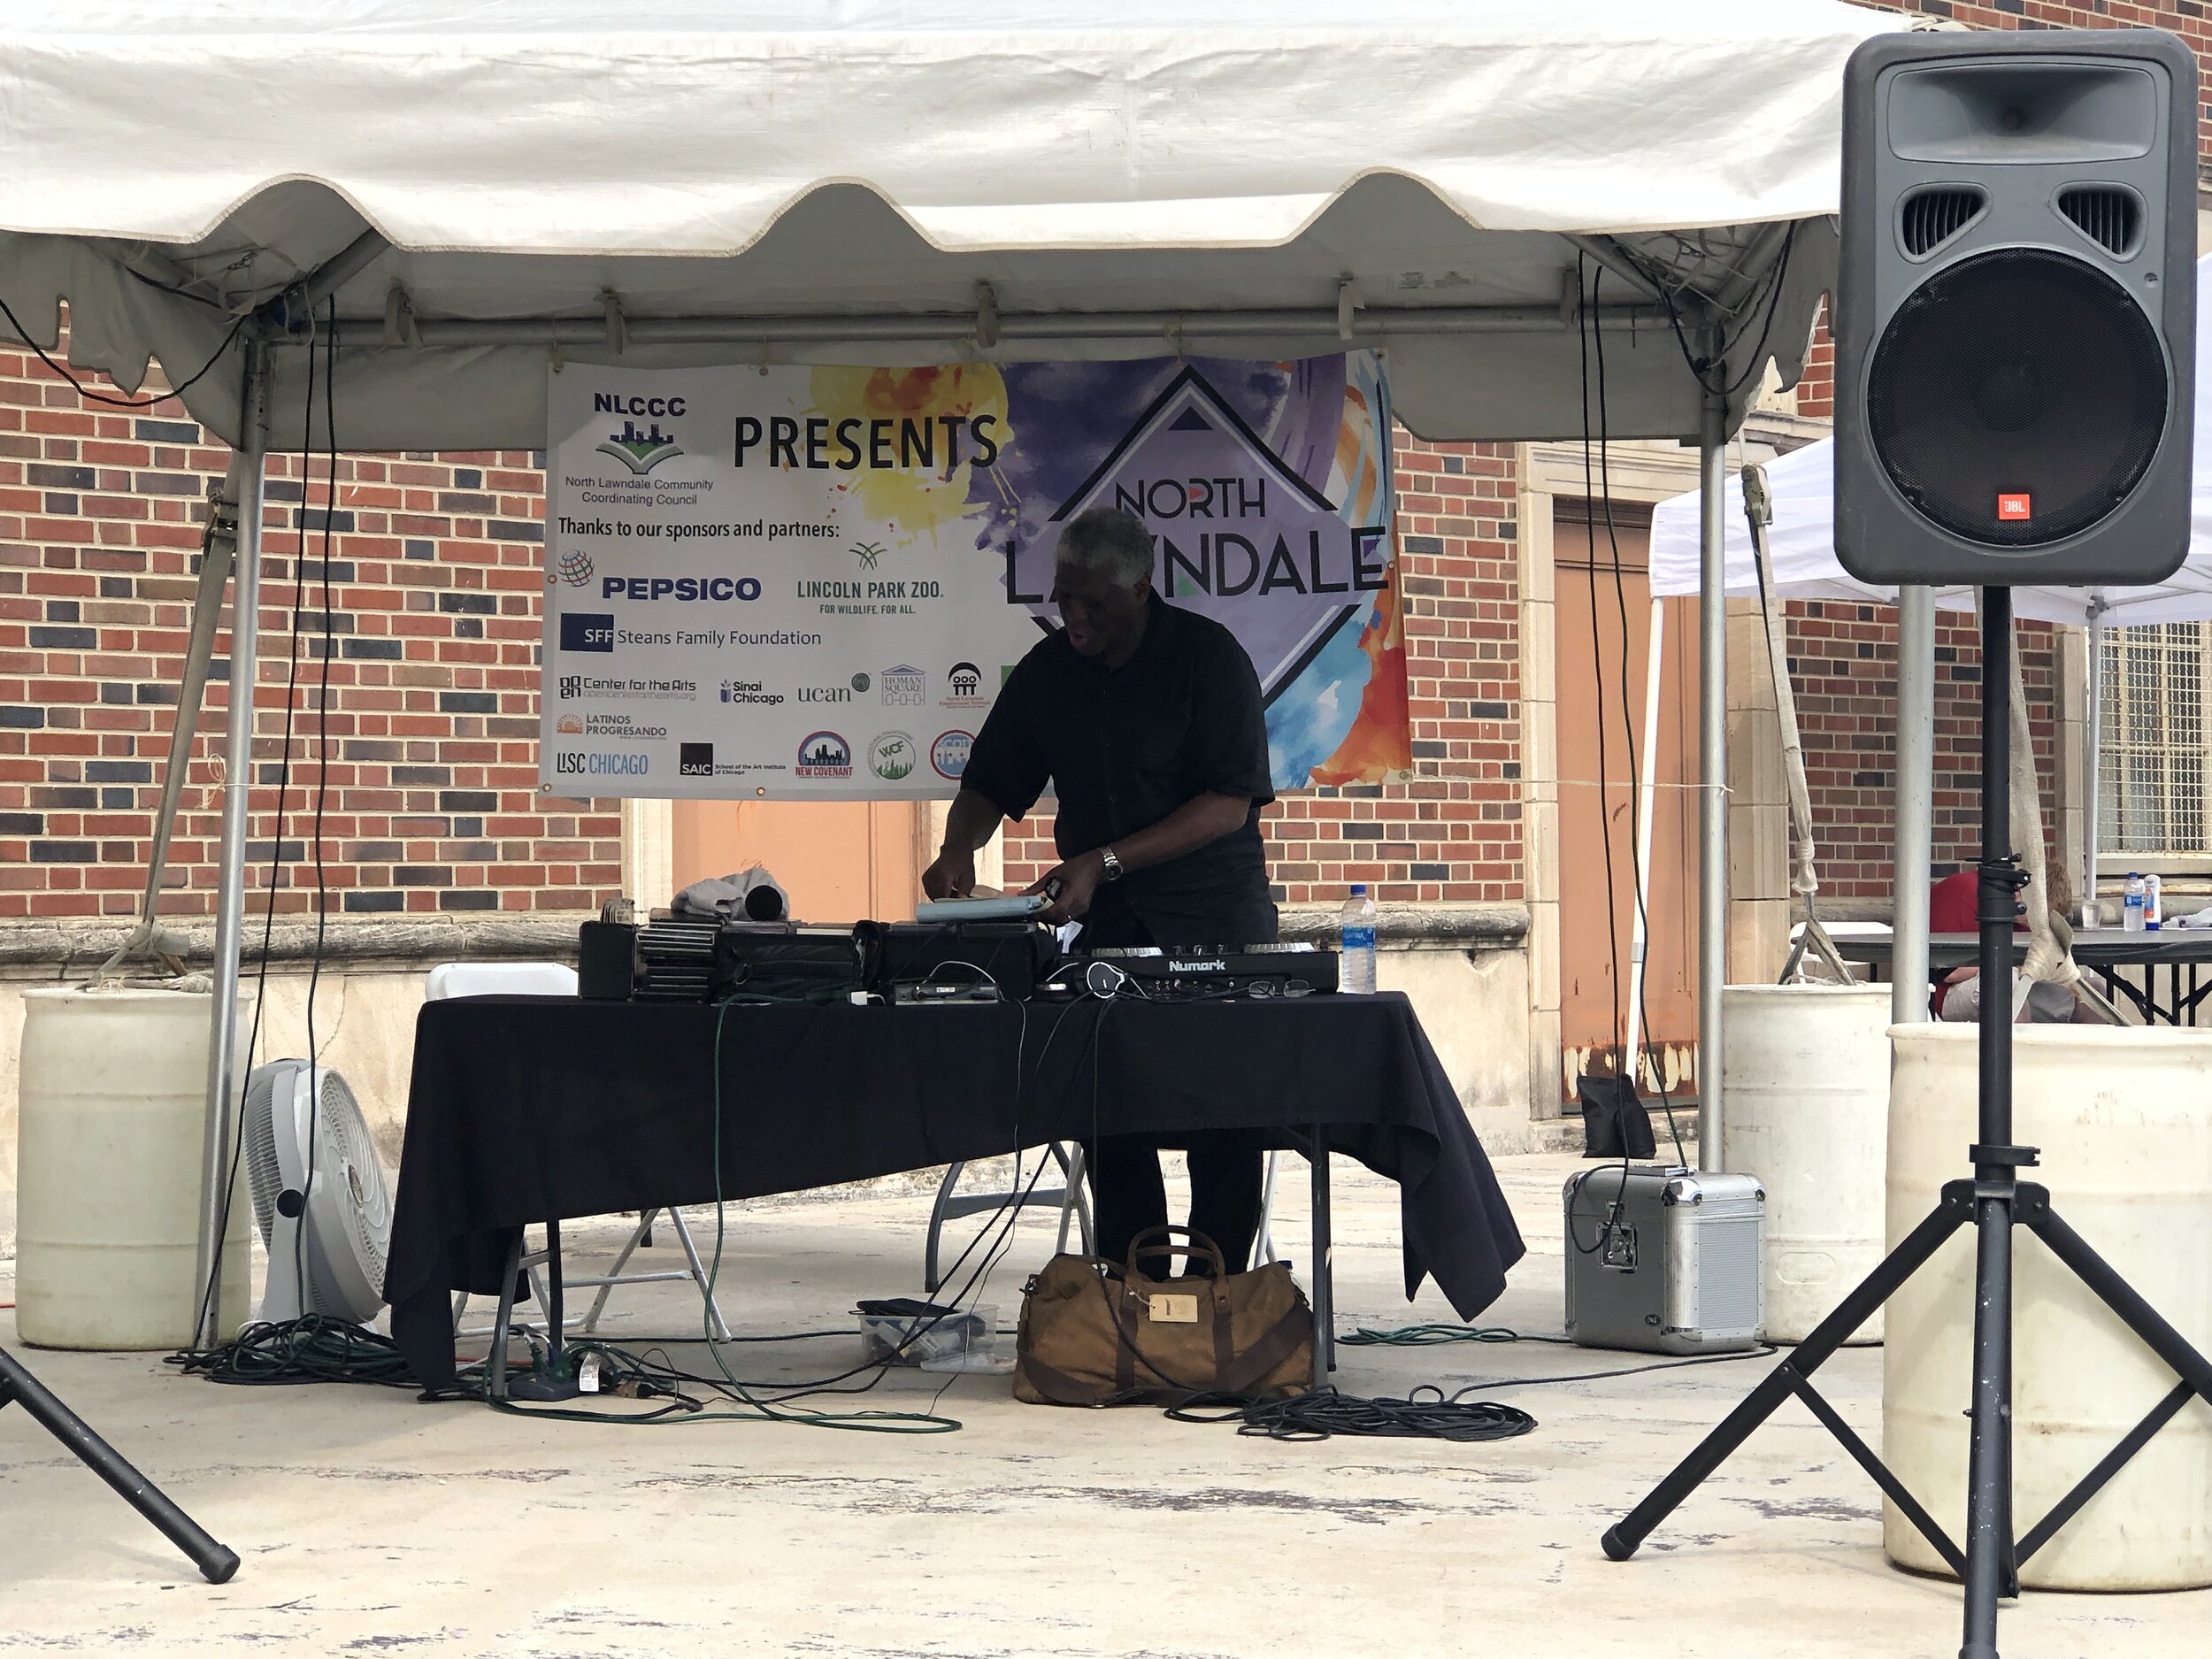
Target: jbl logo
(2015, 504)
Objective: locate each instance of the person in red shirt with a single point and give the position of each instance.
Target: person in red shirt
(1951, 910)
(1951, 904)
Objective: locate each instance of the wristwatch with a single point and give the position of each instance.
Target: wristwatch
(1109, 866)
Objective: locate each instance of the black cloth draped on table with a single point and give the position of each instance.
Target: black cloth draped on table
(528, 1108)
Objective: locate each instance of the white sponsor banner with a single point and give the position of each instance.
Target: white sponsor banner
(760, 586)
(810, 581)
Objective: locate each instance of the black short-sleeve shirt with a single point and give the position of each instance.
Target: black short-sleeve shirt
(1126, 747)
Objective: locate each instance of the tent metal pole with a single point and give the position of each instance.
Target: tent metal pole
(2093, 761)
(1012, 328)
(342, 267)
(230, 898)
(1712, 890)
(1913, 791)
(1647, 790)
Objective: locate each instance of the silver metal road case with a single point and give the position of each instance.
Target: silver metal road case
(1665, 1261)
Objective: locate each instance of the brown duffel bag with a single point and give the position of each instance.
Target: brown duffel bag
(1100, 1333)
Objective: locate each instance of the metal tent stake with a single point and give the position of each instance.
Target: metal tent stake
(1993, 1201)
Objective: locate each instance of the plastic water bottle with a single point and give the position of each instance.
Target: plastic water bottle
(2131, 903)
(1356, 970)
(2154, 904)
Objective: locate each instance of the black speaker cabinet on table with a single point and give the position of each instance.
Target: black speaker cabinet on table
(2016, 313)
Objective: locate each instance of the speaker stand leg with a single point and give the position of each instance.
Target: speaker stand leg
(1990, 1565)
(1988, 1475)
(19, 1387)
(1791, 1377)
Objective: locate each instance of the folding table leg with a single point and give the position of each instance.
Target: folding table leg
(1263, 1245)
(699, 1276)
(496, 1363)
(1074, 1205)
(1324, 1264)
(553, 1318)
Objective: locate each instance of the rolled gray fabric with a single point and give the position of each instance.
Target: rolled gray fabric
(750, 895)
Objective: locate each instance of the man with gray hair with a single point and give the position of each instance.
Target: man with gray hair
(1146, 719)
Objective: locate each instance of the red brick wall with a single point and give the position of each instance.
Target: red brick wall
(432, 802)
(1843, 667)
(1453, 830)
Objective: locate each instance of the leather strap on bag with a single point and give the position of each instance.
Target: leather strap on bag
(1198, 1242)
(1241, 1376)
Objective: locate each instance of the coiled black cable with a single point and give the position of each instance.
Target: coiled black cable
(1427, 1413)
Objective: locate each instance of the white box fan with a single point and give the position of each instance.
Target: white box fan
(347, 1207)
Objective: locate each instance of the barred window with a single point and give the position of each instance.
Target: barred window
(2150, 785)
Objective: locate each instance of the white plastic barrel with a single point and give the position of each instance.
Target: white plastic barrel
(110, 1124)
(2122, 1116)
(1805, 1107)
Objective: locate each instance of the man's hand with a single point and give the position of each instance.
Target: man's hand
(1078, 880)
(951, 877)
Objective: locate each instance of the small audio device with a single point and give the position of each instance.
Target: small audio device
(786, 962)
(1661, 1260)
(956, 961)
(606, 961)
(704, 959)
(1255, 972)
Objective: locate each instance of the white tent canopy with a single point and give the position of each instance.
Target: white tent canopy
(482, 188)
(1129, 177)
(1801, 538)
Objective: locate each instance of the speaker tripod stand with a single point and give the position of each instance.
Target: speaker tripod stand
(1995, 1201)
(18, 1387)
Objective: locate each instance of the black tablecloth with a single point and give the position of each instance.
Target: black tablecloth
(536, 1109)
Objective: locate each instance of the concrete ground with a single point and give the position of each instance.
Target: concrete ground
(369, 1522)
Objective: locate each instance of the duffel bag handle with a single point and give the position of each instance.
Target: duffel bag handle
(1198, 1242)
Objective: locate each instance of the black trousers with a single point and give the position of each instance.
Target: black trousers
(1127, 1192)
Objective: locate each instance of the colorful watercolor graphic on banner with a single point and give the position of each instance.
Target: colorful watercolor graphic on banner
(809, 583)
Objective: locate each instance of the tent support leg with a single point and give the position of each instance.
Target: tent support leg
(2092, 763)
(207, 605)
(1912, 788)
(1712, 889)
(230, 899)
(1646, 789)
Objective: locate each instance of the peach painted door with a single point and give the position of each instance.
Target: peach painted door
(841, 861)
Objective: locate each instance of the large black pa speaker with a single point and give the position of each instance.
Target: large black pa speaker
(2016, 314)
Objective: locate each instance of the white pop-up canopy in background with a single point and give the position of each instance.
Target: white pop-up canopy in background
(478, 191)
(1802, 542)
(1802, 539)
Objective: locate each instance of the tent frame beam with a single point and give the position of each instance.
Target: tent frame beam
(1322, 323)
